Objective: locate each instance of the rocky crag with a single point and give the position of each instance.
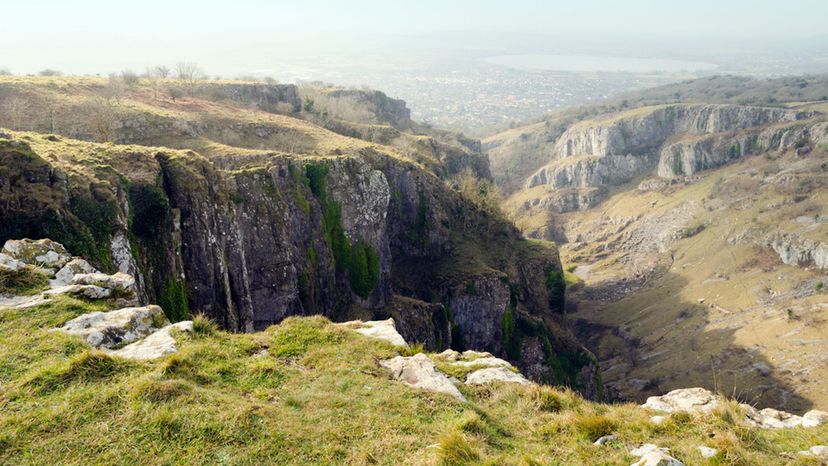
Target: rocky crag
(332, 225)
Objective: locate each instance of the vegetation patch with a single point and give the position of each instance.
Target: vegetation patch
(22, 282)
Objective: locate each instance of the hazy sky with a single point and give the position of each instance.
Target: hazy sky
(100, 36)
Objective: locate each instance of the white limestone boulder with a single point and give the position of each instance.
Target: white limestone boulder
(418, 371)
(119, 283)
(74, 267)
(691, 400)
(156, 345)
(495, 374)
(380, 329)
(10, 264)
(652, 455)
(43, 252)
(817, 451)
(115, 328)
(80, 291)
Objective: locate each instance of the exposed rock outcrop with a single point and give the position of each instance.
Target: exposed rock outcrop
(418, 371)
(797, 250)
(379, 329)
(114, 328)
(156, 345)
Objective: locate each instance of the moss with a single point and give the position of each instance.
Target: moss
(173, 299)
(150, 211)
(556, 288)
(419, 232)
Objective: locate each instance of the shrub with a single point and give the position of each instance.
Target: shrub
(547, 399)
(819, 286)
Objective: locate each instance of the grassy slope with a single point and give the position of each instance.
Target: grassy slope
(744, 320)
(317, 396)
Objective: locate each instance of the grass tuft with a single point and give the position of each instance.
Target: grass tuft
(203, 326)
(23, 282)
(89, 366)
(594, 426)
(454, 450)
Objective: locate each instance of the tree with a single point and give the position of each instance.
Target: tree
(16, 108)
(130, 78)
(50, 72)
(189, 74)
(161, 71)
(5, 72)
(103, 118)
(175, 92)
(308, 105)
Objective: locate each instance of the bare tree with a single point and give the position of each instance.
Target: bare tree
(175, 92)
(16, 109)
(103, 118)
(189, 74)
(161, 71)
(153, 78)
(114, 89)
(50, 72)
(5, 72)
(130, 78)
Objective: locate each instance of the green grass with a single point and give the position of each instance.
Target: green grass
(308, 392)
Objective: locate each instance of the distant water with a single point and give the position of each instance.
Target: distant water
(594, 63)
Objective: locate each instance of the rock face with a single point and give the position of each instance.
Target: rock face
(668, 140)
(797, 250)
(114, 328)
(74, 267)
(252, 240)
(418, 371)
(156, 345)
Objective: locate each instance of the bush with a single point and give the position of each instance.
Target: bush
(547, 399)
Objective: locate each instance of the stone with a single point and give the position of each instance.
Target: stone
(707, 452)
(114, 328)
(658, 420)
(75, 266)
(418, 371)
(770, 418)
(80, 291)
(43, 252)
(470, 355)
(646, 448)
(657, 458)
(819, 451)
(450, 355)
(379, 329)
(495, 374)
(814, 418)
(489, 361)
(605, 439)
(156, 345)
(119, 282)
(10, 264)
(692, 400)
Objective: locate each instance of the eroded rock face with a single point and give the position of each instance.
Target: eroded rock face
(10, 264)
(114, 328)
(118, 282)
(797, 250)
(418, 371)
(156, 345)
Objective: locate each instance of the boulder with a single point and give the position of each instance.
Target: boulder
(770, 418)
(418, 371)
(43, 252)
(818, 451)
(495, 374)
(657, 458)
(379, 329)
(651, 455)
(471, 355)
(120, 283)
(707, 452)
(74, 267)
(158, 344)
(489, 361)
(80, 291)
(814, 418)
(114, 328)
(10, 264)
(605, 439)
(450, 355)
(692, 400)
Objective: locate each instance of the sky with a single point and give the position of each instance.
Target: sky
(234, 36)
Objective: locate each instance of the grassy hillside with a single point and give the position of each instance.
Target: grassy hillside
(306, 392)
